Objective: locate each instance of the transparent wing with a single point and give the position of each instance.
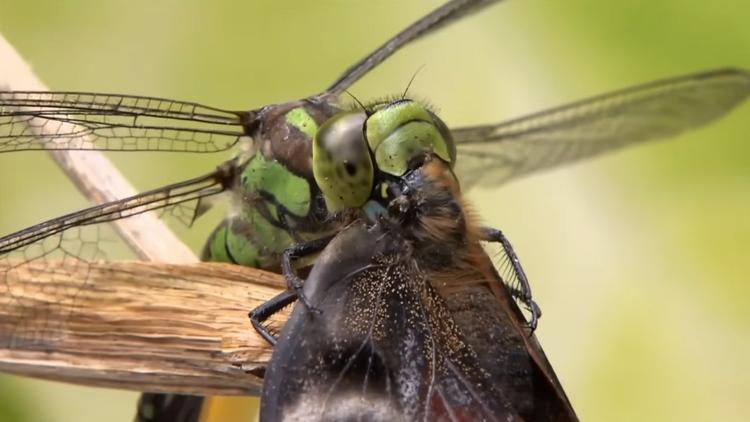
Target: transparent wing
(77, 240)
(446, 14)
(31, 120)
(492, 154)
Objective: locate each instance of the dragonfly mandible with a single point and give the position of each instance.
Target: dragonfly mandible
(531, 126)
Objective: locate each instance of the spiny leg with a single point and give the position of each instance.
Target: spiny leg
(524, 294)
(296, 251)
(293, 285)
(268, 308)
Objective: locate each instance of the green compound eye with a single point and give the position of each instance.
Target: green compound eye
(341, 161)
(403, 129)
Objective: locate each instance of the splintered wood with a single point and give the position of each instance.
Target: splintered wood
(136, 325)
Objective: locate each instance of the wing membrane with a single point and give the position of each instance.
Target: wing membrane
(160, 198)
(35, 120)
(492, 154)
(75, 239)
(444, 15)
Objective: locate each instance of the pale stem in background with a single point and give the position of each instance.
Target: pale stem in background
(97, 178)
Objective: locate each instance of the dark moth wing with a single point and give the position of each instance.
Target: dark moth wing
(492, 323)
(388, 346)
(383, 348)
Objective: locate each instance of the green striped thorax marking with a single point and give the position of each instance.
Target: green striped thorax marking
(350, 146)
(283, 190)
(270, 177)
(277, 202)
(301, 119)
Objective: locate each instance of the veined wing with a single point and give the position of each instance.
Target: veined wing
(37, 120)
(446, 14)
(75, 238)
(492, 154)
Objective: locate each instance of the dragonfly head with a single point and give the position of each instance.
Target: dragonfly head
(357, 154)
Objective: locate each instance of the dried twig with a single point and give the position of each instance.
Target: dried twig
(137, 325)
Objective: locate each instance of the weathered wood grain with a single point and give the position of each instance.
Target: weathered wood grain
(136, 325)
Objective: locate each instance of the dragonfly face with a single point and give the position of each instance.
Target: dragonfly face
(351, 147)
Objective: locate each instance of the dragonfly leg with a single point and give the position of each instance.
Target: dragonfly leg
(283, 216)
(524, 293)
(293, 281)
(268, 308)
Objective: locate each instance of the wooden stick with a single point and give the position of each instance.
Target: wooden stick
(136, 325)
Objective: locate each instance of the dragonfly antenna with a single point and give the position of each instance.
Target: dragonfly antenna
(411, 80)
(357, 101)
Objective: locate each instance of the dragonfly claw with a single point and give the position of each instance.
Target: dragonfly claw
(536, 313)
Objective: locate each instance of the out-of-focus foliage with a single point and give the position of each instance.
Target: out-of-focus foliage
(639, 260)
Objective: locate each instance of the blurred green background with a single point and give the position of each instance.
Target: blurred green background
(639, 260)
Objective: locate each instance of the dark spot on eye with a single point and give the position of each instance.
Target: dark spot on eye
(350, 168)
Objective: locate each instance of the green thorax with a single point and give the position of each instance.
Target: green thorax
(275, 201)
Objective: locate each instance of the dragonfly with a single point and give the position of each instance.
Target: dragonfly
(401, 331)
(275, 199)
